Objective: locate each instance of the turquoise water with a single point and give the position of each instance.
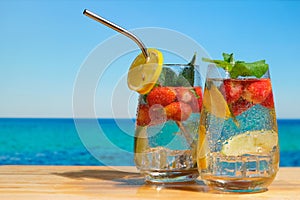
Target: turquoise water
(58, 142)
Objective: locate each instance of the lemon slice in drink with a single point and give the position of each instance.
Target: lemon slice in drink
(202, 148)
(141, 144)
(214, 103)
(251, 142)
(143, 73)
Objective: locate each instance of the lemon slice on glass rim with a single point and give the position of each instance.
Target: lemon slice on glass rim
(144, 72)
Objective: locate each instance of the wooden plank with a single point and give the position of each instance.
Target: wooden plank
(95, 182)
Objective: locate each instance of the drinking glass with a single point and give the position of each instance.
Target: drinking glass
(167, 126)
(238, 137)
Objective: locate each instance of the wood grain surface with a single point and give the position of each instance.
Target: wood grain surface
(98, 182)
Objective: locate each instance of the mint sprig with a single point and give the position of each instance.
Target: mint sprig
(240, 68)
(184, 78)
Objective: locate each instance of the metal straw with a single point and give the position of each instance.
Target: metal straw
(119, 29)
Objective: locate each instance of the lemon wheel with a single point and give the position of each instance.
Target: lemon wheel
(251, 142)
(144, 72)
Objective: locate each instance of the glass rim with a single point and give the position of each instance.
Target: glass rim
(178, 64)
(215, 72)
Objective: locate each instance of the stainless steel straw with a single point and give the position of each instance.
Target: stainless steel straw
(119, 29)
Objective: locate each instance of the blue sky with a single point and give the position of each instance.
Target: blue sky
(43, 45)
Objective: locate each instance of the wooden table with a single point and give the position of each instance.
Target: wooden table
(84, 182)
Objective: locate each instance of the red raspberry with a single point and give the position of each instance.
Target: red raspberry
(257, 91)
(240, 106)
(232, 89)
(143, 118)
(198, 100)
(161, 95)
(178, 111)
(150, 116)
(269, 102)
(198, 91)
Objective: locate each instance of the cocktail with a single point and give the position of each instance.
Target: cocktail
(168, 113)
(167, 122)
(238, 139)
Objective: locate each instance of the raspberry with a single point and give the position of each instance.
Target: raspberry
(161, 95)
(269, 101)
(257, 91)
(240, 106)
(198, 100)
(143, 118)
(232, 89)
(150, 116)
(178, 111)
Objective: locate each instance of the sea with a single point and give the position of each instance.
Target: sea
(42, 141)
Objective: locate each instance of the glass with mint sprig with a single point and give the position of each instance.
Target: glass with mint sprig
(235, 72)
(238, 136)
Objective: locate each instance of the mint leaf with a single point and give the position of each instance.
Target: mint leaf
(167, 77)
(257, 69)
(220, 63)
(228, 58)
(240, 68)
(186, 77)
(193, 61)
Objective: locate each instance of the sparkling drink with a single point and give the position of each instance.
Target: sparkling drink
(164, 155)
(167, 127)
(238, 139)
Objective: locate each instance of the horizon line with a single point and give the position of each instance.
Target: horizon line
(99, 118)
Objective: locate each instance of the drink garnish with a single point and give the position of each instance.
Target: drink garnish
(240, 68)
(189, 72)
(178, 111)
(215, 103)
(202, 148)
(161, 95)
(250, 142)
(257, 91)
(141, 143)
(144, 72)
(185, 78)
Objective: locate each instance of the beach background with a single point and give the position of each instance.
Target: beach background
(44, 44)
(56, 142)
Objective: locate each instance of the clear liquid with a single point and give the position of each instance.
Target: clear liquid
(166, 153)
(239, 172)
(246, 172)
